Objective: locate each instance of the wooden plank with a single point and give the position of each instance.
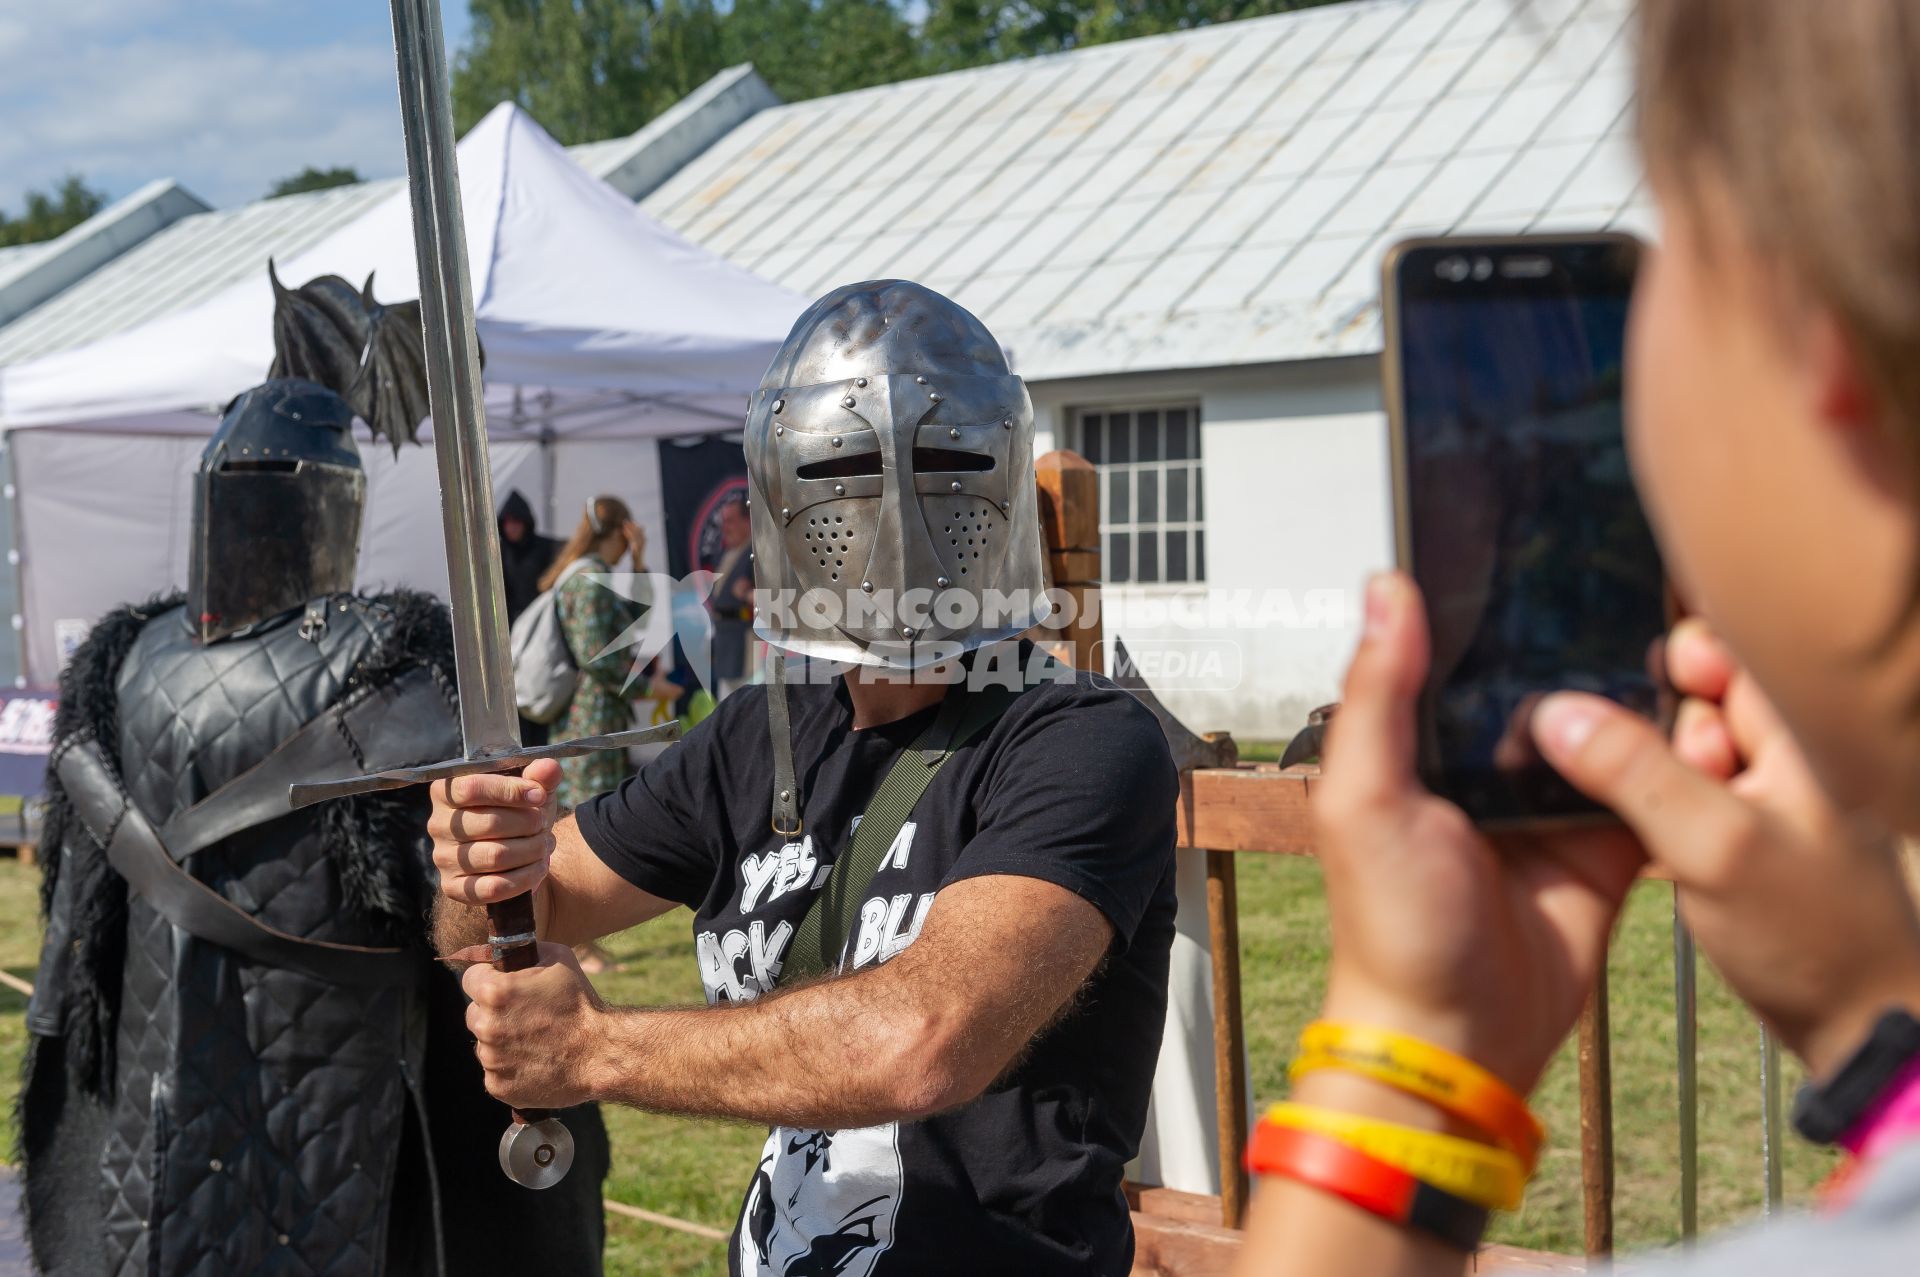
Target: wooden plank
(1596, 1121)
(1174, 1248)
(1261, 809)
(1171, 1203)
(1069, 489)
(1229, 1036)
(1165, 1246)
(1069, 499)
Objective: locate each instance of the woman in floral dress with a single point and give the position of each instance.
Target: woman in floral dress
(593, 616)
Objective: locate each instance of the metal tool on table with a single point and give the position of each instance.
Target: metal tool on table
(536, 1149)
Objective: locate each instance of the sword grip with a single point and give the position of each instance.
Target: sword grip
(514, 917)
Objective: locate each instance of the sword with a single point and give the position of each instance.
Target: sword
(536, 1149)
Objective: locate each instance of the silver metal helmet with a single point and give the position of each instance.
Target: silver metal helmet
(890, 454)
(276, 508)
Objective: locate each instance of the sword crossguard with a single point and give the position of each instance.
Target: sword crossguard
(307, 793)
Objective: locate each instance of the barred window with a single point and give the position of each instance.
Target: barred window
(1152, 526)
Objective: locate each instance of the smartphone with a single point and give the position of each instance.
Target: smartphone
(1514, 506)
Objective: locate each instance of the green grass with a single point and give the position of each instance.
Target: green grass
(696, 1170)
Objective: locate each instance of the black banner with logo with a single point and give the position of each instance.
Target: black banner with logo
(697, 477)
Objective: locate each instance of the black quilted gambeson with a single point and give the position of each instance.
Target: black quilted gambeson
(243, 1118)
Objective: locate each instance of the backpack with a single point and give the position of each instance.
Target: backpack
(544, 669)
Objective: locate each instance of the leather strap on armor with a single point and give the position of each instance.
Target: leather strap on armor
(411, 721)
(136, 852)
(786, 789)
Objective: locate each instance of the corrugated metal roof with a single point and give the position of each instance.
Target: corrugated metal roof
(16, 257)
(187, 262)
(1211, 197)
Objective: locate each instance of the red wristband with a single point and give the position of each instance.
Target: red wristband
(1331, 1166)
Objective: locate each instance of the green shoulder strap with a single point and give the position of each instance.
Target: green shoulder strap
(817, 946)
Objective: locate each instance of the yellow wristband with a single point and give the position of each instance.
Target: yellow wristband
(1479, 1173)
(1449, 1082)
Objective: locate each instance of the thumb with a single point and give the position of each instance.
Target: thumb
(1623, 762)
(544, 772)
(1373, 734)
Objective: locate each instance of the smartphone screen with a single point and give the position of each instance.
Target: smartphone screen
(1516, 508)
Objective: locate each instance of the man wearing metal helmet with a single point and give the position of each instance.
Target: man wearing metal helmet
(930, 872)
(243, 1056)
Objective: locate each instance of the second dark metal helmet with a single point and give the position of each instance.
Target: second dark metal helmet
(277, 503)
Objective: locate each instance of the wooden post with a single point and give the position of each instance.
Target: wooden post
(1229, 1035)
(1069, 489)
(1596, 1120)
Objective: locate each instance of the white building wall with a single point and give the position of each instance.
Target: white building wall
(1297, 512)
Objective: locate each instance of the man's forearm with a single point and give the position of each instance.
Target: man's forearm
(836, 1055)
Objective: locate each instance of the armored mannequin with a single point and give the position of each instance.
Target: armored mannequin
(244, 1058)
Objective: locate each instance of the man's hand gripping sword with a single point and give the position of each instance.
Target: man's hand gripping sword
(537, 1149)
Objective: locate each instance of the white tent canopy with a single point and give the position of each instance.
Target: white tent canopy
(601, 329)
(593, 315)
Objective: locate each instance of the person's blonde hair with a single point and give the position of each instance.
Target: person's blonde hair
(1807, 117)
(602, 516)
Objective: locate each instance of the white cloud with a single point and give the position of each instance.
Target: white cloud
(224, 95)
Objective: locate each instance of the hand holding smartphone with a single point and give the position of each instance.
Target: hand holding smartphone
(1514, 504)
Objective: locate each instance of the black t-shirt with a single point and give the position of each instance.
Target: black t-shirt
(1073, 785)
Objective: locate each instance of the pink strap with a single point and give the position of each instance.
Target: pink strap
(1893, 1119)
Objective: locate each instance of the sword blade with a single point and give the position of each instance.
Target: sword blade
(489, 724)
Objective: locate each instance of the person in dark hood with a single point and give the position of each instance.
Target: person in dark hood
(525, 556)
(524, 553)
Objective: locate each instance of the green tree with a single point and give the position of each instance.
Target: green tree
(313, 179)
(964, 33)
(591, 69)
(811, 48)
(586, 69)
(50, 214)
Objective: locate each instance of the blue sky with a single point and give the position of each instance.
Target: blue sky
(223, 95)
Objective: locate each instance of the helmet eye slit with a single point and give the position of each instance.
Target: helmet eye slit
(859, 465)
(936, 460)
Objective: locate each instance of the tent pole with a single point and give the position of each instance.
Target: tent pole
(16, 560)
(549, 471)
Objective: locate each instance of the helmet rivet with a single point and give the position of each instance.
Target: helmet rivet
(839, 489)
(934, 395)
(1006, 507)
(778, 404)
(860, 382)
(921, 380)
(943, 583)
(785, 513)
(1007, 424)
(953, 432)
(786, 795)
(867, 586)
(836, 441)
(955, 485)
(848, 401)
(245, 451)
(906, 632)
(778, 430)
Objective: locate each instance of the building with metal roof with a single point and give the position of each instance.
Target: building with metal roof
(1178, 238)
(1216, 196)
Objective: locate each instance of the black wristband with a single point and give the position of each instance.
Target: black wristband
(1824, 1112)
(1454, 1220)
